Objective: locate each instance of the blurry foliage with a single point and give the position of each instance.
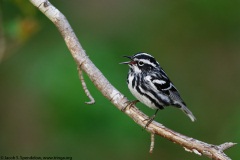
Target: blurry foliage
(18, 25)
(42, 102)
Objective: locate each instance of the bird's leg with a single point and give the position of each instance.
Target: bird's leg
(150, 119)
(130, 104)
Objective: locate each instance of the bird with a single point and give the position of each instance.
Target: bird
(150, 85)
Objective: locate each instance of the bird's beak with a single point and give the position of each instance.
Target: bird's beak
(130, 62)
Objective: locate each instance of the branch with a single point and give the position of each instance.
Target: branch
(92, 101)
(152, 143)
(117, 98)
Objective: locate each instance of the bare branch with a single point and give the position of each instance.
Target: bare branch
(92, 101)
(226, 145)
(118, 99)
(152, 143)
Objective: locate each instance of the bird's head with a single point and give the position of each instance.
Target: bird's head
(142, 62)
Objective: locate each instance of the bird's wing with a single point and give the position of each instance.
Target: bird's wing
(162, 83)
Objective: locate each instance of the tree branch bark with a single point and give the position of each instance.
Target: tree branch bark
(92, 101)
(117, 98)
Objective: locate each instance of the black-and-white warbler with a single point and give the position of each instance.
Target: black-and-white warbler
(150, 85)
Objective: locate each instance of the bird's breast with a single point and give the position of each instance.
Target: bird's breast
(138, 92)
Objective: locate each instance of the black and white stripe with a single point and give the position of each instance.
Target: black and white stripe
(148, 82)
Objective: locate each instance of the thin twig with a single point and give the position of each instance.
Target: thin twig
(112, 94)
(152, 143)
(92, 101)
(226, 145)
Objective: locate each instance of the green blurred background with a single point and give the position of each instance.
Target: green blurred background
(42, 101)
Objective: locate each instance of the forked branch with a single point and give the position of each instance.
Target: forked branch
(117, 98)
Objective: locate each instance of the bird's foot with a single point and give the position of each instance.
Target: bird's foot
(129, 104)
(150, 119)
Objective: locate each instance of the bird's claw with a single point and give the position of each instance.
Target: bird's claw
(129, 104)
(150, 119)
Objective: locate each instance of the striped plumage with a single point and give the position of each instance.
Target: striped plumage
(150, 85)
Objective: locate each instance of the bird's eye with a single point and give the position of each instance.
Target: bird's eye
(140, 63)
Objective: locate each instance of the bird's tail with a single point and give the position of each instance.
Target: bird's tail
(187, 112)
